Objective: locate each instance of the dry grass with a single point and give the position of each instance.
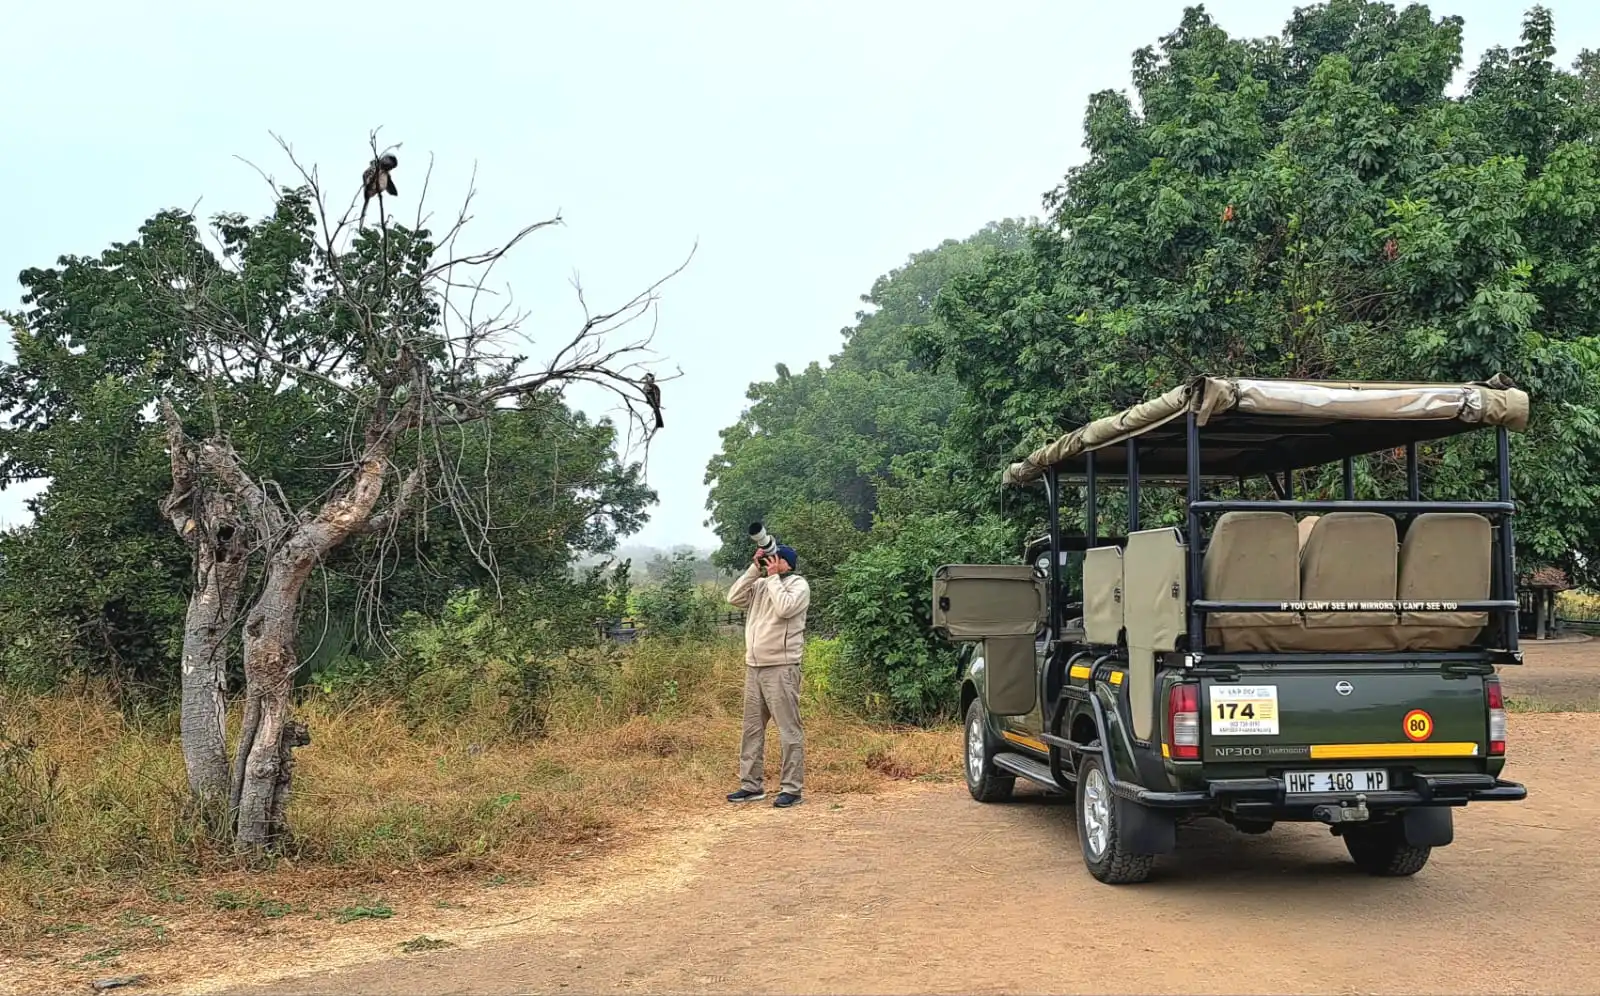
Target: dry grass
(99, 854)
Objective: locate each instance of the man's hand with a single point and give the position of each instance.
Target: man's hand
(777, 566)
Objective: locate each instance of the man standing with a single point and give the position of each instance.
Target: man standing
(774, 600)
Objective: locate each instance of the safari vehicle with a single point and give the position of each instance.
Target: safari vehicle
(1326, 660)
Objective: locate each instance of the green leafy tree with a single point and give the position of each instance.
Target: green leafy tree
(1313, 205)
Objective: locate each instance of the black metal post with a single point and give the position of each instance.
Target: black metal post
(1349, 479)
(1133, 485)
(1052, 487)
(1413, 476)
(1288, 485)
(1091, 514)
(1196, 537)
(1508, 542)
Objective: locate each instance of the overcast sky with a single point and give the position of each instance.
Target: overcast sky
(807, 148)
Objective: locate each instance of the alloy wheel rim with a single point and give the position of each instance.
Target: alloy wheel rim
(1096, 813)
(975, 748)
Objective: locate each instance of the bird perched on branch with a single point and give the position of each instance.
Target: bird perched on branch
(652, 396)
(376, 180)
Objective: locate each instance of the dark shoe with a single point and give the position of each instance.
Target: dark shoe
(786, 799)
(745, 795)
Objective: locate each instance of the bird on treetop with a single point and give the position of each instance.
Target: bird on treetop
(376, 180)
(652, 396)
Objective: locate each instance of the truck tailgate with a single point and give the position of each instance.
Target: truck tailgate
(1422, 716)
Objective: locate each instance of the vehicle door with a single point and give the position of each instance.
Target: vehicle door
(1003, 605)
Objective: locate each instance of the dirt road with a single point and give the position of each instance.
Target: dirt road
(927, 891)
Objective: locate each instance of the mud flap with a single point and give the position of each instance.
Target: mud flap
(1142, 830)
(1429, 826)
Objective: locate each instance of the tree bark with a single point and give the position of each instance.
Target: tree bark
(213, 608)
(269, 661)
(264, 772)
(203, 514)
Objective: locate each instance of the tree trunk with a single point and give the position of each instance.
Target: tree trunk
(262, 779)
(263, 774)
(202, 510)
(213, 608)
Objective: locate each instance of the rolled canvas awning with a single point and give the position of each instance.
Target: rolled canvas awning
(1412, 411)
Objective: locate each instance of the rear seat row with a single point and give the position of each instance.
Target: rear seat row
(1345, 557)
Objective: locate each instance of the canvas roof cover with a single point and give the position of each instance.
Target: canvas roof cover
(1253, 426)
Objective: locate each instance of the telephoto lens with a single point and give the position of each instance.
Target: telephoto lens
(766, 543)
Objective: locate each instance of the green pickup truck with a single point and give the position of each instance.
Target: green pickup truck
(1276, 658)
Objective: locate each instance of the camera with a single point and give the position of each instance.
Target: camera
(766, 543)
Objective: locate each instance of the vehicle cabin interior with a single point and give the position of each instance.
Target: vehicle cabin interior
(1403, 553)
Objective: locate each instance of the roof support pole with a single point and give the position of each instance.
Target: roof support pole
(1349, 479)
(1133, 485)
(1091, 512)
(1052, 488)
(1196, 544)
(1413, 477)
(1508, 542)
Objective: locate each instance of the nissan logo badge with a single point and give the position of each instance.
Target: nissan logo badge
(1344, 688)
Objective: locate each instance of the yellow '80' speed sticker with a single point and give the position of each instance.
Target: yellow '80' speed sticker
(1418, 725)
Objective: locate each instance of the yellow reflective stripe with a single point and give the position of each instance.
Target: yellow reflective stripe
(1080, 671)
(1018, 738)
(1116, 677)
(1166, 751)
(1333, 752)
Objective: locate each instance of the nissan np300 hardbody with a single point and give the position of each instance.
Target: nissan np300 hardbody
(1276, 659)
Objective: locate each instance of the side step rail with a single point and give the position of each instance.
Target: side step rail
(1030, 769)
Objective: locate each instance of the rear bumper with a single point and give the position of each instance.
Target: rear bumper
(1249, 795)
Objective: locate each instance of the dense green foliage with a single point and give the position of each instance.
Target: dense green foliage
(1312, 205)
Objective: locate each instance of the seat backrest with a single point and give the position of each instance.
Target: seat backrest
(1446, 557)
(1252, 557)
(1351, 557)
(1306, 525)
(1102, 595)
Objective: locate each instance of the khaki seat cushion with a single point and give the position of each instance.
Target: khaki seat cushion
(1446, 557)
(1350, 557)
(1252, 557)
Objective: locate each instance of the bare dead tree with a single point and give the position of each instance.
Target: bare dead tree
(412, 347)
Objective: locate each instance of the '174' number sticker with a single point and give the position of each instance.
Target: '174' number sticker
(1244, 710)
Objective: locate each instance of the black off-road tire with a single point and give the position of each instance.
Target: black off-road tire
(1113, 865)
(1382, 850)
(985, 782)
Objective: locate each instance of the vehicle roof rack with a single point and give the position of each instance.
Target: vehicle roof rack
(1255, 426)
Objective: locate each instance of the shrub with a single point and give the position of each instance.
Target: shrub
(891, 661)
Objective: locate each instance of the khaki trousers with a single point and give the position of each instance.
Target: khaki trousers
(772, 693)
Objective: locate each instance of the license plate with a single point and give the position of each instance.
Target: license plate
(1335, 781)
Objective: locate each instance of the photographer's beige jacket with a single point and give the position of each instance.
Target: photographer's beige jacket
(774, 616)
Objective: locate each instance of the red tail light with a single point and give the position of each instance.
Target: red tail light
(1497, 717)
(1183, 722)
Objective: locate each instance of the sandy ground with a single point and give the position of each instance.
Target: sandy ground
(920, 889)
(1557, 674)
(928, 891)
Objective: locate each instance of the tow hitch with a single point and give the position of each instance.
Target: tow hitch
(1333, 815)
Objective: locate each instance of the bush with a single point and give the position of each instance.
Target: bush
(677, 607)
(891, 662)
